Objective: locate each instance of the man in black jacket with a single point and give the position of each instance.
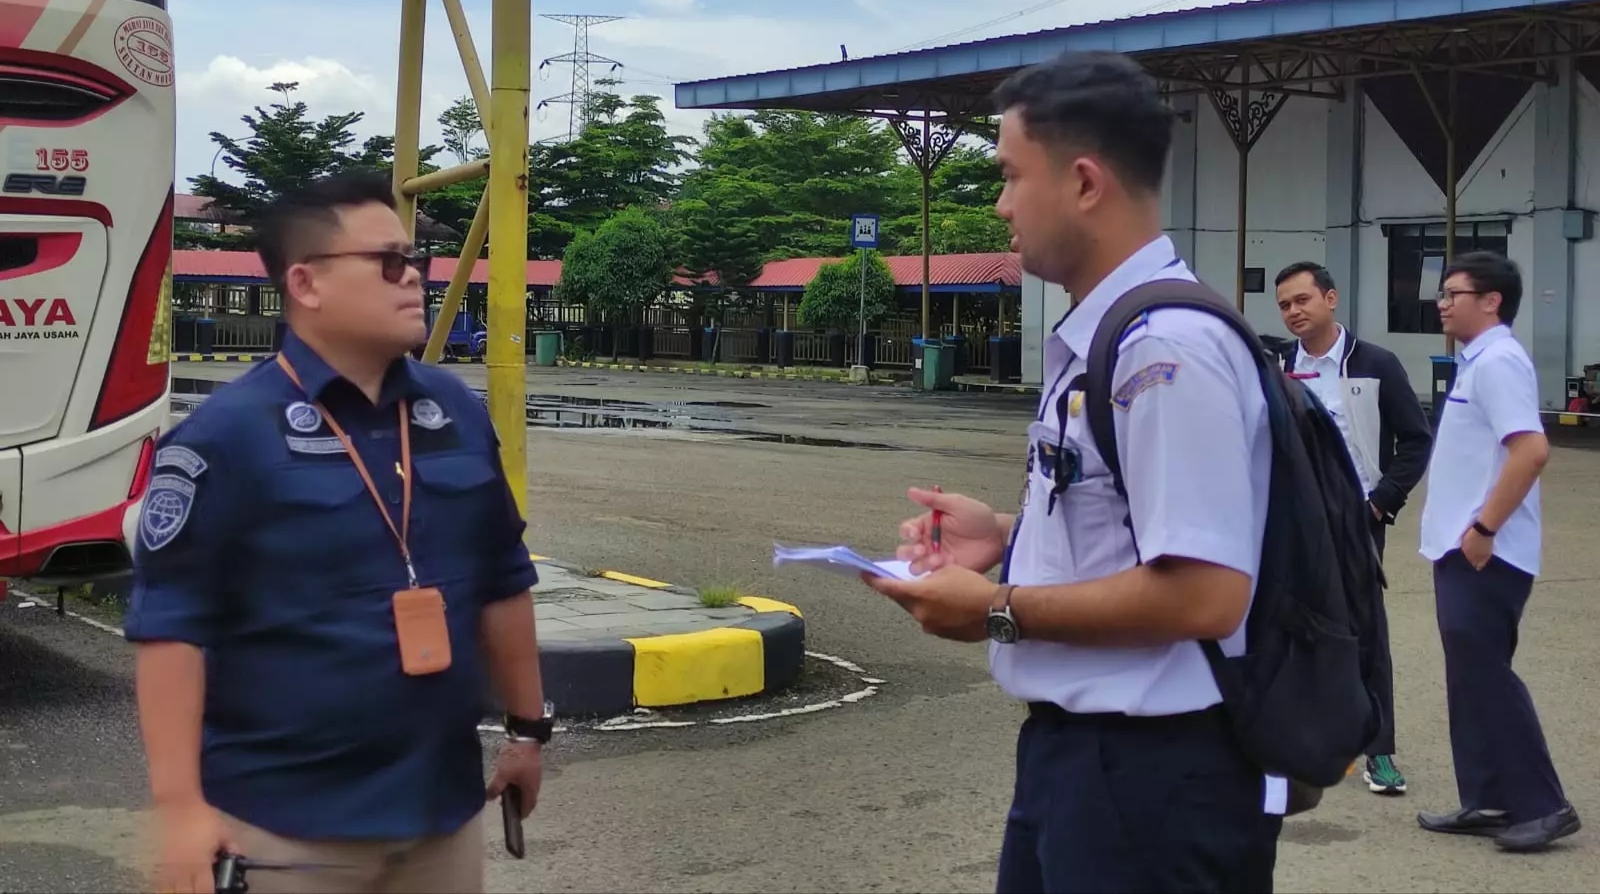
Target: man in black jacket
(1387, 433)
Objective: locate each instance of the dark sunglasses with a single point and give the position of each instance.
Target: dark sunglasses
(392, 263)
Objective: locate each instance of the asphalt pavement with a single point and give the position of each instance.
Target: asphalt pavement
(903, 791)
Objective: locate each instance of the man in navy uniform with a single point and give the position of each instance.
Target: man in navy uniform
(1481, 530)
(1128, 776)
(1365, 388)
(325, 543)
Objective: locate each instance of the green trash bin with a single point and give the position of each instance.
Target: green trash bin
(938, 365)
(546, 348)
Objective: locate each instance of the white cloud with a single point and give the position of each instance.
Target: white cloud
(343, 54)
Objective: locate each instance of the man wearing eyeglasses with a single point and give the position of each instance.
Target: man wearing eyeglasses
(1481, 531)
(324, 544)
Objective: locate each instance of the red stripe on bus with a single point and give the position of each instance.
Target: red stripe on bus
(18, 21)
(57, 207)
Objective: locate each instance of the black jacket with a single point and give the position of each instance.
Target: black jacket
(1400, 447)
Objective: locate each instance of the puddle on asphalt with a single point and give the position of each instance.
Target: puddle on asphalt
(564, 412)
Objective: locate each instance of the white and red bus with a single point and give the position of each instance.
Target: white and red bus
(87, 134)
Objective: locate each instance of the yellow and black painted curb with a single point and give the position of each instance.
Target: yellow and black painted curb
(842, 377)
(761, 653)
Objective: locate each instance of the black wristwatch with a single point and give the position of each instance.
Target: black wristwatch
(1481, 528)
(521, 729)
(1001, 624)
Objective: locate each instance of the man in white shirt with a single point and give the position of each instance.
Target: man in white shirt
(1481, 530)
(1129, 778)
(1366, 389)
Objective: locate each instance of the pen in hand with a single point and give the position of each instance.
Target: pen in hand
(938, 522)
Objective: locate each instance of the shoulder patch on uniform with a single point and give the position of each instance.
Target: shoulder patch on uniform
(166, 510)
(181, 458)
(303, 417)
(426, 413)
(1144, 379)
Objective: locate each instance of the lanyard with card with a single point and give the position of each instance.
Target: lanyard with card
(419, 617)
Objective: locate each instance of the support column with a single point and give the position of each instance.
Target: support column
(1346, 119)
(1246, 114)
(507, 356)
(408, 108)
(928, 142)
(1547, 301)
(1181, 179)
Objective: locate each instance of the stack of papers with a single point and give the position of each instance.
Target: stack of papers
(841, 558)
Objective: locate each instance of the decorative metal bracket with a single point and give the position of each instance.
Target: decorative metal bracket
(927, 141)
(1247, 125)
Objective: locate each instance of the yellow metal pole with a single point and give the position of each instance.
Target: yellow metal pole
(469, 58)
(507, 359)
(408, 108)
(440, 179)
(470, 249)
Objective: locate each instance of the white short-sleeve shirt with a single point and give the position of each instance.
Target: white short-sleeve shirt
(1196, 458)
(1495, 395)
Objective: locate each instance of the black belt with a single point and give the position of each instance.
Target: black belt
(1050, 712)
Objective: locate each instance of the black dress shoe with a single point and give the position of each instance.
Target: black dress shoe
(1464, 822)
(1537, 834)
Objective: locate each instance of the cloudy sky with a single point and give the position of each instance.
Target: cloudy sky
(343, 52)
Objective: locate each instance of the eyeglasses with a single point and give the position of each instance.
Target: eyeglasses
(392, 263)
(1449, 296)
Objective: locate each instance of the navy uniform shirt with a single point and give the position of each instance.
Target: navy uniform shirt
(260, 544)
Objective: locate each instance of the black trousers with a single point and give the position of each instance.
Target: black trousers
(1384, 743)
(1501, 759)
(1110, 803)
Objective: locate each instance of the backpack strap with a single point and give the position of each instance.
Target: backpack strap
(1108, 337)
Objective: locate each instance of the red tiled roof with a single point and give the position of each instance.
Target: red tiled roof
(943, 270)
(795, 273)
(188, 207)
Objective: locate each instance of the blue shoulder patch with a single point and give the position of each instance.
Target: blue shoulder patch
(166, 510)
(182, 458)
(1144, 379)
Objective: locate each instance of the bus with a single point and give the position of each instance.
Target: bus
(87, 137)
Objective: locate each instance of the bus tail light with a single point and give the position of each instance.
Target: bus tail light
(137, 374)
(141, 472)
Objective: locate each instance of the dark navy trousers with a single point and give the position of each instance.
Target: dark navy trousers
(1501, 759)
(1384, 743)
(1110, 803)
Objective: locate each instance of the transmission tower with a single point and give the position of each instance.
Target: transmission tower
(580, 58)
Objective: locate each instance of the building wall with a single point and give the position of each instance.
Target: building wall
(1586, 255)
(1299, 178)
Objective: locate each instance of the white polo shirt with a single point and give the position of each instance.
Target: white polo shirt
(1196, 455)
(1496, 395)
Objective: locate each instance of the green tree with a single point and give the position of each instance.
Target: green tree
(620, 268)
(460, 125)
(834, 297)
(792, 179)
(286, 151)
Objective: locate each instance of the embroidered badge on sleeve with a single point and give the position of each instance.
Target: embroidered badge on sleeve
(1143, 380)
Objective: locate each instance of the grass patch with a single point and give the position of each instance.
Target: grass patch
(720, 597)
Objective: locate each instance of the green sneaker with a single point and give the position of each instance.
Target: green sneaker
(1383, 777)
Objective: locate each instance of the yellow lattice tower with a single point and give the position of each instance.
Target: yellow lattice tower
(503, 210)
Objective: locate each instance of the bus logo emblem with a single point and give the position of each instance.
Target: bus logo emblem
(144, 47)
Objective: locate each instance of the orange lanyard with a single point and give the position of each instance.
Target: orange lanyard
(402, 534)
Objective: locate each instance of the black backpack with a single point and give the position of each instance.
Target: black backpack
(1301, 700)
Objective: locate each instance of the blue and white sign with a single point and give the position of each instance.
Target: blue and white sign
(864, 231)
